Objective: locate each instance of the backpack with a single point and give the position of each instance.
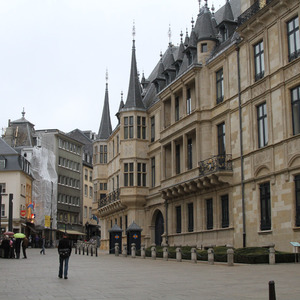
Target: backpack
(64, 253)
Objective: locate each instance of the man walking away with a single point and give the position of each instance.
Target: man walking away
(43, 246)
(64, 251)
(24, 246)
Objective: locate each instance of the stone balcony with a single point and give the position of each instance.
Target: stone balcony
(213, 172)
(109, 204)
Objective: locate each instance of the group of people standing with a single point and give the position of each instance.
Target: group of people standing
(12, 247)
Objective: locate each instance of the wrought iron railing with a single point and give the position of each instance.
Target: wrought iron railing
(252, 10)
(110, 198)
(215, 163)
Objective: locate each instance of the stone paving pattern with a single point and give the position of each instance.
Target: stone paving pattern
(111, 277)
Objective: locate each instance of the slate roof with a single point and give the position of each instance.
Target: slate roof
(115, 228)
(134, 227)
(5, 149)
(105, 128)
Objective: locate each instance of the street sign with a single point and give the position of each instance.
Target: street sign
(23, 213)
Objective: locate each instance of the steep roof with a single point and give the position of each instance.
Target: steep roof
(134, 96)
(5, 149)
(105, 128)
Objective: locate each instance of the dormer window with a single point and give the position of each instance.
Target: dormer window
(224, 33)
(2, 163)
(204, 48)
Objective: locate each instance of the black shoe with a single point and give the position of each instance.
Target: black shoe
(66, 277)
(59, 276)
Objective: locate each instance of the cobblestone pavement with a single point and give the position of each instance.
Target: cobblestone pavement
(111, 277)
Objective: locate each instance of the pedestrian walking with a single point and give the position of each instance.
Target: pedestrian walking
(43, 245)
(24, 246)
(64, 251)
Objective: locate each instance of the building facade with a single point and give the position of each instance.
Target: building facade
(206, 151)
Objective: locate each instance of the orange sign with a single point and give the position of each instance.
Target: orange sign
(23, 213)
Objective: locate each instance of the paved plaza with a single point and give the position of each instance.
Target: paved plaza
(122, 278)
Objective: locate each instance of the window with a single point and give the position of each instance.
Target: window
(262, 124)
(126, 128)
(118, 144)
(91, 192)
(178, 219)
(177, 158)
(221, 139)
(141, 128)
(259, 60)
(85, 174)
(265, 206)
(2, 163)
(126, 222)
(225, 211)
(209, 214)
(103, 154)
(2, 210)
(3, 185)
(130, 127)
(203, 48)
(153, 171)
(176, 108)
(188, 102)
(295, 97)
(141, 174)
(293, 38)
(128, 174)
(121, 223)
(85, 212)
(220, 86)
(190, 217)
(85, 190)
(190, 154)
(297, 190)
(152, 129)
(90, 212)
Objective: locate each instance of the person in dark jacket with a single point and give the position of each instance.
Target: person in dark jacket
(24, 246)
(64, 251)
(18, 247)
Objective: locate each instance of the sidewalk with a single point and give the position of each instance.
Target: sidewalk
(120, 278)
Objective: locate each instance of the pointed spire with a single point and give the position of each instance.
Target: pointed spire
(134, 96)
(105, 128)
(170, 35)
(23, 113)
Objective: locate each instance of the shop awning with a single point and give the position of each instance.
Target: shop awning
(74, 232)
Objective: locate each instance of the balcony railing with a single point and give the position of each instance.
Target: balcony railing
(215, 163)
(110, 198)
(252, 10)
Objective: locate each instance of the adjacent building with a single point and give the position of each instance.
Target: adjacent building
(206, 151)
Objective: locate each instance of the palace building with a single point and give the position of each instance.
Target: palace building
(207, 148)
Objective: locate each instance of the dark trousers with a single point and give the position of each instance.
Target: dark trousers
(62, 262)
(24, 252)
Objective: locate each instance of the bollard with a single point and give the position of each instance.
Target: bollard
(153, 251)
(79, 250)
(211, 258)
(124, 251)
(116, 249)
(87, 250)
(165, 253)
(96, 251)
(230, 255)
(133, 250)
(83, 249)
(272, 254)
(272, 293)
(91, 250)
(75, 248)
(143, 251)
(178, 254)
(193, 255)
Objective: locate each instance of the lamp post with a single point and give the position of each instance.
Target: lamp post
(51, 219)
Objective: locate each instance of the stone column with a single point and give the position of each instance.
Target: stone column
(124, 251)
(272, 254)
(211, 257)
(143, 251)
(165, 253)
(133, 250)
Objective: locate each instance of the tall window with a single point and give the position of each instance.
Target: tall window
(176, 108)
(297, 190)
(262, 123)
(2, 210)
(121, 223)
(221, 139)
(259, 60)
(265, 206)
(128, 174)
(190, 217)
(188, 102)
(209, 214)
(225, 211)
(103, 154)
(293, 38)
(128, 127)
(220, 86)
(141, 127)
(118, 142)
(141, 174)
(190, 154)
(153, 171)
(295, 97)
(152, 128)
(177, 158)
(178, 219)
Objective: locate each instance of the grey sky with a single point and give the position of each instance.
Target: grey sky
(54, 54)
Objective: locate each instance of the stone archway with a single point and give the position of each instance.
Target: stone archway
(159, 228)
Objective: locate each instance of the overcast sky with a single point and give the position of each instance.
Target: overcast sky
(54, 55)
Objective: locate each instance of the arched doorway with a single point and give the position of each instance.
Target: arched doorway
(159, 228)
